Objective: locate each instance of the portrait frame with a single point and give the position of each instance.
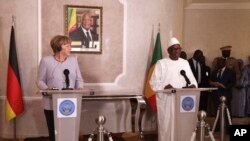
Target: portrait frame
(86, 35)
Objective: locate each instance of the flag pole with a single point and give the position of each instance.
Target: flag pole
(13, 20)
(14, 120)
(159, 27)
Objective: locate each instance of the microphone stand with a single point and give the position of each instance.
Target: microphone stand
(186, 86)
(187, 82)
(67, 88)
(66, 73)
(67, 85)
(183, 73)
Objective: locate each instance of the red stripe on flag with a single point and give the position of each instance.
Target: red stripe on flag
(14, 92)
(152, 103)
(73, 28)
(149, 93)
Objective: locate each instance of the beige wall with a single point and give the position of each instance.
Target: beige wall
(128, 55)
(209, 29)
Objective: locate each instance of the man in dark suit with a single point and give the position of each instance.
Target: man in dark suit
(202, 74)
(84, 34)
(205, 77)
(231, 62)
(195, 65)
(224, 79)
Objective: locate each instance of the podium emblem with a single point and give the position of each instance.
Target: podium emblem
(67, 107)
(187, 104)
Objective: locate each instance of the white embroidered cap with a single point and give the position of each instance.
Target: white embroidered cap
(173, 41)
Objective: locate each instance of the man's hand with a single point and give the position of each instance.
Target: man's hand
(220, 85)
(192, 86)
(168, 87)
(217, 84)
(212, 83)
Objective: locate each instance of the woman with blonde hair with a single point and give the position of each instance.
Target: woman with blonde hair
(51, 74)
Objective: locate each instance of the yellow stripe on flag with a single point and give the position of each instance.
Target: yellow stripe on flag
(72, 22)
(148, 91)
(10, 114)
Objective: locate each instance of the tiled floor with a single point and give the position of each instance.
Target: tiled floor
(149, 136)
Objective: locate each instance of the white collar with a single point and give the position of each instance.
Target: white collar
(85, 30)
(222, 70)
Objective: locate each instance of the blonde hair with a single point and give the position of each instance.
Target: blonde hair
(57, 42)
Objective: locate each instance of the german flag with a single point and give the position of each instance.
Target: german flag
(157, 55)
(14, 100)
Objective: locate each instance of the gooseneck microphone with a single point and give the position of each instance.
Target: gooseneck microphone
(183, 73)
(66, 73)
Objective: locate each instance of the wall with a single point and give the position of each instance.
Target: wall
(210, 26)
(130, 57)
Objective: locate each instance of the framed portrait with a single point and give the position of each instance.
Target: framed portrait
(83, 25)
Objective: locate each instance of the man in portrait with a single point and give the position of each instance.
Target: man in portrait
(84, 33)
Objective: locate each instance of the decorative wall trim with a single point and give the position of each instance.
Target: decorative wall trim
(189, 2)
(26, 98)
(39, 34)
(121, 1)
(218, 6)
(124, 59)
(124, 49)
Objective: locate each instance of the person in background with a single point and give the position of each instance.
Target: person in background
(84, 32)
(224, 79)
(205, 77)
(245, 81)
(195, 65)
(200, 75)
(51, 74)
(239, 94)
(183, 55)
(206, 74)
(231, 62)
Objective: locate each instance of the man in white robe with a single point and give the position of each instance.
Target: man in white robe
(167, 75)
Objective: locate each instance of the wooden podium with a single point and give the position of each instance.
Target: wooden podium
(177, 113)
(67, 109)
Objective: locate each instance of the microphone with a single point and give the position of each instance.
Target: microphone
(183, 73)
(66, 73)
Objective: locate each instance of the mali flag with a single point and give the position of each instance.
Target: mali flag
(14, 100)
(71, 19)
(157, 55)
